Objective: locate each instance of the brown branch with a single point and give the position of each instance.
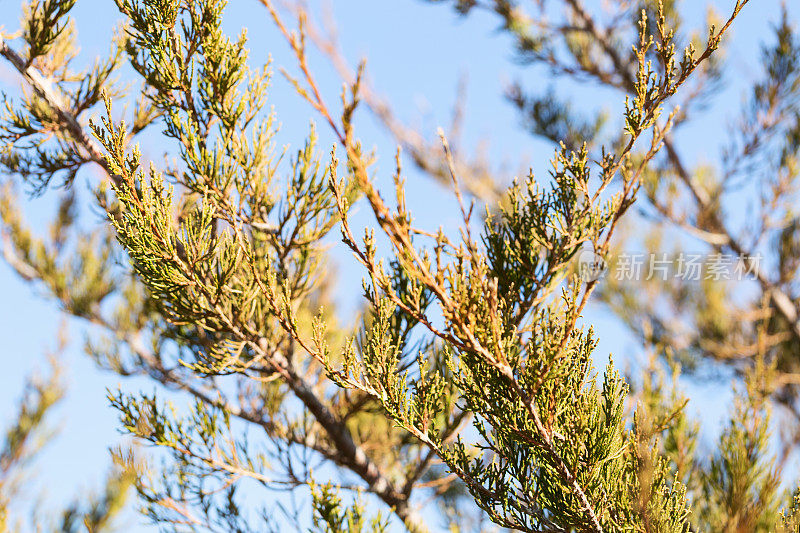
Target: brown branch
(50, 93)
(780, 299)
(349, 454)
(476, 175)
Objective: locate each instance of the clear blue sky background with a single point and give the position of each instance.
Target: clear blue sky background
(416, 53)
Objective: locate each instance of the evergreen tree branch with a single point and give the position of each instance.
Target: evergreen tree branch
(719, 235)
(346, 452)
(783, 303)
(227, 272)
(476, 176)
(400, 236)
(46, 89)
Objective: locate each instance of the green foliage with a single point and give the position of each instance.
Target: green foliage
(23, 441)
(742, 486)
(790, 520)
(332, 517)
(469, 374)
(44, 24)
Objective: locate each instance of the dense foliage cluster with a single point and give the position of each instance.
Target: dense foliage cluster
(468, 377)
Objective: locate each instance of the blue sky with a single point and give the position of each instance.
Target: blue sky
(416, 54)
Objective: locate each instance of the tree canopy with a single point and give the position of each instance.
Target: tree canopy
(467, 380)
